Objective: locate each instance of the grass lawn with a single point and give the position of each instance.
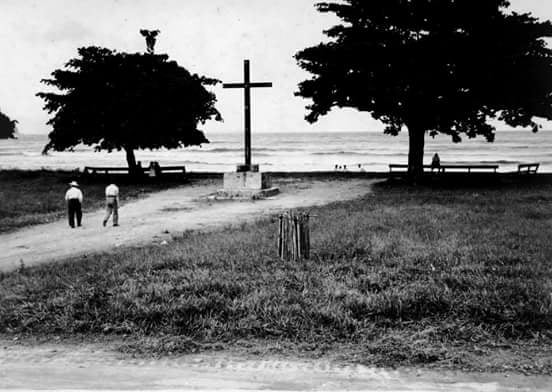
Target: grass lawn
(454, 277)
(33, 197)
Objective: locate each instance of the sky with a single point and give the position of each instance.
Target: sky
(208, 37)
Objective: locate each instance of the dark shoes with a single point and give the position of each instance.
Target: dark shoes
(104, 223)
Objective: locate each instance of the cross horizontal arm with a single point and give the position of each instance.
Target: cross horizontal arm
(267, 84)
(233, 85)
(244, 85)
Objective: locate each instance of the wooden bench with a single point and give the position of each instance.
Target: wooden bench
(172, 169)
(90, 170)
(443, 168)
(528, 168)
(402, 168)
(469, 168)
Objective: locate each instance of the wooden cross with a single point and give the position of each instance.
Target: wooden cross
(247, 86)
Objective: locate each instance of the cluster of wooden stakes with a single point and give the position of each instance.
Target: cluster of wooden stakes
(294, 236)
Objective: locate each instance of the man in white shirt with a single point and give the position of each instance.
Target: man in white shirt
(112, 204)
(73, 197)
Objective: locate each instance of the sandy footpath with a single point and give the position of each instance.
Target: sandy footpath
(92, 367)
(159, 216)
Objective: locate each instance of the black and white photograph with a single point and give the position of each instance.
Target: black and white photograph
(276, 195)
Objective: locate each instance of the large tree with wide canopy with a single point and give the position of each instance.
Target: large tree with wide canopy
(432, 66)
(127, 101)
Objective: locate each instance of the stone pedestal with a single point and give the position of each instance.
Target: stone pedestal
(247, 184)
(246, 180)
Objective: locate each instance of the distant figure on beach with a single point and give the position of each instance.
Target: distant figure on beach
(112, 204)
(360, 168)
(435, 162)
(73, 197)
(336, 167)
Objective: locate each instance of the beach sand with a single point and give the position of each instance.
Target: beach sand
(161, 216)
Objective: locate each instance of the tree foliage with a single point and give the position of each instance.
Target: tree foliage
(432, 66)
(117, 101)
(8, 127)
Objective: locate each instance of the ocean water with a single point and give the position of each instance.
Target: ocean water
(373, 151)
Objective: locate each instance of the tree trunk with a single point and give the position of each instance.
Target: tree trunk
(131, 160)
(416, 142)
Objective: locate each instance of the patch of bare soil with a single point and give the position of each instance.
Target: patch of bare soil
(77, 367)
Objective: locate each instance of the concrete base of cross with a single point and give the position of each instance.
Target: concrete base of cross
(249, 184)
(246, 180)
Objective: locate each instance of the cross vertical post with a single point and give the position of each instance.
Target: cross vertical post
(247, 103)
(247, 85)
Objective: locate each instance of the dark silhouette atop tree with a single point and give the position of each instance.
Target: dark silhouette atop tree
(8, 127)
(150, 36)
(117, 101)
(445, 66)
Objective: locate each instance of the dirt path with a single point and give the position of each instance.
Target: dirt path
(157, 217)
(89, 367)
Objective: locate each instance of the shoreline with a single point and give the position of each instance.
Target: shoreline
(298, 151)
(314, 173)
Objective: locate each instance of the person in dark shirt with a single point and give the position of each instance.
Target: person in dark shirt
(435, 162)
(73, 197)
